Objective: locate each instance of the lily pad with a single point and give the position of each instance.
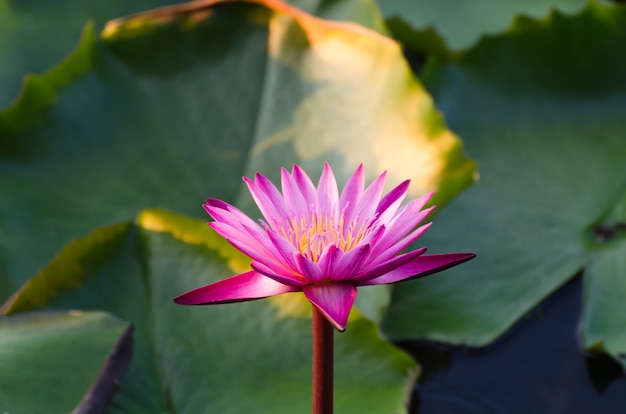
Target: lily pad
(36, 34)
(460, 25)
(173, 106)
(544, 356)
(605, 286)
(54, 361)
(544, 118)
(364, 12)
(235, 358)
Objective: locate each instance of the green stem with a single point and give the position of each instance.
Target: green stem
(322, 364)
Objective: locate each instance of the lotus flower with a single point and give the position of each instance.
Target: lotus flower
(322, 243)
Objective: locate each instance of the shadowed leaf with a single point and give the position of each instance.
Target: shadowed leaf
(544, 118)
(51, 359)
(237, 358)
(174, 106)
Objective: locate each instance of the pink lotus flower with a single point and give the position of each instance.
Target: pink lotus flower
(322, 243)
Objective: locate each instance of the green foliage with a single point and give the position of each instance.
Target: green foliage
(51, 359)
(605, 286)
(547, 131)
(165, 108)
(168, 111)
(210, 359)
(36, 34)
(445, 27)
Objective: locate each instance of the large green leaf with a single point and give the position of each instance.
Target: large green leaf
(235, 358)
(174, 106)
(363, 12)
(51, 360)
(449, 26)
(36, 34)
(604, 315)
(544, 117)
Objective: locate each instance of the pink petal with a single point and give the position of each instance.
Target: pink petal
(337, 265)
(327, 192)
(310, 270)
(250, 236)
(369, 201)
(328, 260)
(249, 245)
(284, 248)
(224, 212)
(351, 262)
(374, 190)
(352, 192)
(410, 215)
(289, 279)
(420, 267)
(246, 286)
(405, 222)
(383, 250)
(269, 200)
(227, 231)
(304, 185)
(374, 237)
(391, 201)
(242, 241)
(386, 267)
(292, 194)
(276, 252)
(335, 300)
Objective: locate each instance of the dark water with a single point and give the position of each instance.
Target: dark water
(536, 368)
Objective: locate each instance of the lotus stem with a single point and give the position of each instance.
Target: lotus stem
(322, 364)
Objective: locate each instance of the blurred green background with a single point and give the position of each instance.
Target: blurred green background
(112, 134)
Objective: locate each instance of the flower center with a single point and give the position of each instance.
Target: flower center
(311, 234)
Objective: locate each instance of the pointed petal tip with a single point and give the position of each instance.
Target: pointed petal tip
(297, 168)
(187, 300)
(339, 326)
(243, 287)
(292, 281)
(426, 199)
(462, 257)
(334, 300)
(469, 256)
(423, 265)
(448, 260)
(358, 171)
(214, 202)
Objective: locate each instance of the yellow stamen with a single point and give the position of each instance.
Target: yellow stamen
(311, 234)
